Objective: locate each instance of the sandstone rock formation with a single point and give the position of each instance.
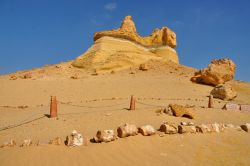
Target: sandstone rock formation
(181, 111)
(123, 48)
(127, 30)
(218, 72)
(224, 92)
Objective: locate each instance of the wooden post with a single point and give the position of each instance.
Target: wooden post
(210, 101)
(132, 103)
(53, 107)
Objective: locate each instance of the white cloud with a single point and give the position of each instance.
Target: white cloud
(110, 6)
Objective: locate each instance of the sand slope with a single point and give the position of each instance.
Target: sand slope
(102, 104)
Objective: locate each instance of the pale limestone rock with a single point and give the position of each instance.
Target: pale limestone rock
(169, 128)
(11, 143)
(127, 130)
(218, 72)
(74, 139)
(56, 141)
(245, 107)
(224, 92)
(147, 130)
(231, 106)
(230, 125)
(105, 136)
(186, 129)
(26, 143)
(203, 128)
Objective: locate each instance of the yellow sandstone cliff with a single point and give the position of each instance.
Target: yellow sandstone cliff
(123, 47)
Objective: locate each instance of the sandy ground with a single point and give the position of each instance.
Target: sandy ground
(94, 102)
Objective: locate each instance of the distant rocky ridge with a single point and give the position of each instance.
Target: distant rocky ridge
(123, 48)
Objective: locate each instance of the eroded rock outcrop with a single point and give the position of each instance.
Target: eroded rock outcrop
(218, 72)
(123, 48)
(127, 30)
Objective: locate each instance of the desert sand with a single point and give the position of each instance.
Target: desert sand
(101, 101)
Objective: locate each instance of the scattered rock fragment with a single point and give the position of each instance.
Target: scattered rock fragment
(169, 128)
(203, 128)
(127, 130)
(11, 143)
(231, 106)
(22, 106)
(26, 143)
(26, 76)
(75, 139)
(13, 77)
(56, 141)
(186, 129)
(181, 111)
(187, 123)
(168, 111)
(244, 107)
(95, 73)
(105, 136)
(75, 76)
(224, 92)
(218, 72)
(143, 67)
(246, 127)
(146, 130)
(215, 127)
(230, 125)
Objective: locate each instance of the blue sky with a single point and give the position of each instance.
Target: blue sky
(35, 33)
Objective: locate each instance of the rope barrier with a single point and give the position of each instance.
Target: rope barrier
(106, 106)
(22, 122)
(139, 101)
(152, 105)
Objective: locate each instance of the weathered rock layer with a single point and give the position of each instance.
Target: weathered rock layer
(122, 48)
(127, 30)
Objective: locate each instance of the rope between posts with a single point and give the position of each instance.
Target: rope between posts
(25, 121)
(152, 105)
(106, 106)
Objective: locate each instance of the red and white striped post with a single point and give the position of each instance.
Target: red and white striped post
(53, 107)
(132, 103)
